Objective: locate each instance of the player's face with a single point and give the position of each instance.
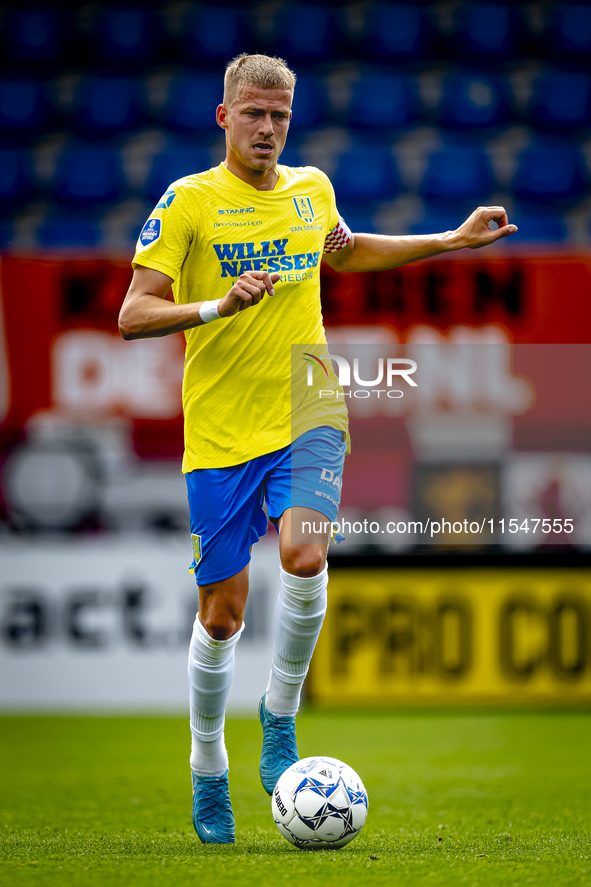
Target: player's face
(256, 125)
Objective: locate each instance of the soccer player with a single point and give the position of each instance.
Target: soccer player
(240, 245)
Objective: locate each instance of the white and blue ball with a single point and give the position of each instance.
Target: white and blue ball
(319, 803)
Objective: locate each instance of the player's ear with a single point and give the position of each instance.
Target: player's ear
(221, 115)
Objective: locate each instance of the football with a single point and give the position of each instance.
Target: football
(319, 803)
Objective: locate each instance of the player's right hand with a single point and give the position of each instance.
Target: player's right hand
(248, 290)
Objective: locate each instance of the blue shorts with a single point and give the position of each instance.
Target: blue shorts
(226, 504)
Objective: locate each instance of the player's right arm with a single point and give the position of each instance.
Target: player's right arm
(146, 312)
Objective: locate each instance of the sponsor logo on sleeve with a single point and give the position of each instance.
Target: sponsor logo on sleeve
(150, 232)
(166, 199)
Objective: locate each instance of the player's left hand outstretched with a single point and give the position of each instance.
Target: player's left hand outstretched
(476, 231)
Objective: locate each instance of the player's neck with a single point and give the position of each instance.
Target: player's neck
(262, 180)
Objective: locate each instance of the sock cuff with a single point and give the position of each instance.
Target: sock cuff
(309, 584)
(212, 648)
(291, 673)
(207, 729)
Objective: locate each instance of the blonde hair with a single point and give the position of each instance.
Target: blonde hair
(263, 71)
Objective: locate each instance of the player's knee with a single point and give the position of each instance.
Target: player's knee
(221, 628)
(304, 561)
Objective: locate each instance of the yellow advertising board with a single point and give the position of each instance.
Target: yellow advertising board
(454, 636)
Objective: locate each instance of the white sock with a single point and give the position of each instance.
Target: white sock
(301, 606)
(211, 667)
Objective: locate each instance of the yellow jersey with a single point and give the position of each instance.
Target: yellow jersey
(246, 387)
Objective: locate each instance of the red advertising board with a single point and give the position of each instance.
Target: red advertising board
(61, 349)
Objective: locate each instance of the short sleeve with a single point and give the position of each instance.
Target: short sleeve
(333, 213)
(168, 233)
(339, 233)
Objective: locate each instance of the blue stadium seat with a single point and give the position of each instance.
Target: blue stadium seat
(23, 107)
(212, 32)
(561, 100)
(172, 165)
(472, 100)
(68, 232)
(395, 32)
(545, 174)
(305, 32)
(457, 173)
(108, 105)
(549, 228)
(490, 31)
(366, 173)
(531, 228)
(437, 224)
(125, 35)
(359, 216)
(380, 100)
(86, 176)
(36, 34)
(192, 102)
(193, 99)
(309, 103)
(568, 35)
(291, 156)
(16, 176)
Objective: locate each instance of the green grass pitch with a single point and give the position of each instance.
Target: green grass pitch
(454, 799)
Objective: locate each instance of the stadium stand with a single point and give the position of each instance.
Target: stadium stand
(442, 105)
(396, 33)
(457, 174)
(383, 100)
(125, 35)
(37, 34)
(550, 174)
(366, 174)
(108, 105)
(471, 101)
(489, 31)
(310, 106)
(561, 101)
(305, 33)
(172, 165)
(24, 108)
(183, 112)
(59, 232)
(539, 227)
(17, 181)
(212, 33)
(86, 176)
(568, 34)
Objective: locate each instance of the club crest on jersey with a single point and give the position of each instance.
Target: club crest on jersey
(150, 232)
(304, 208)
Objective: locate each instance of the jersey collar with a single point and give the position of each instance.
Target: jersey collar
(240, 185)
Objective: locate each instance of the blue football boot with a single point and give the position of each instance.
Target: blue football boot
(280, 747)
(213, 819)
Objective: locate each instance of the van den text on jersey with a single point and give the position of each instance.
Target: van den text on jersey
(268, 255)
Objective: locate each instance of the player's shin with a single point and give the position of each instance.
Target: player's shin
(211, 668)
(301, 606)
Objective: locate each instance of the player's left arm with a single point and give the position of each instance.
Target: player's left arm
(376, 252)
